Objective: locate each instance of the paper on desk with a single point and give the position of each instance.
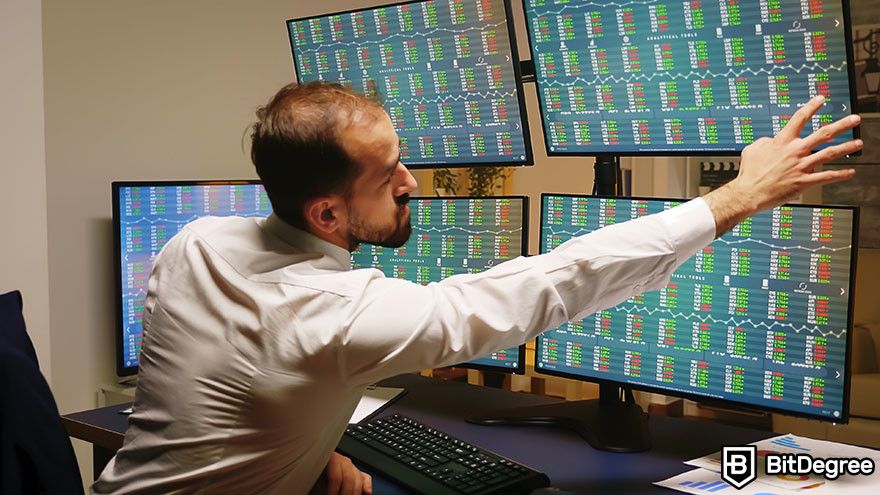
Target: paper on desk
(705, 482)
(374, 398)
(793, 444)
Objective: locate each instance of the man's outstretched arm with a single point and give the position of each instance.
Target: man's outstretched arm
(397, 326)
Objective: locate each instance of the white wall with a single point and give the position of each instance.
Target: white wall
(24, 262)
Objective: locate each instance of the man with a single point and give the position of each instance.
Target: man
(259, 340)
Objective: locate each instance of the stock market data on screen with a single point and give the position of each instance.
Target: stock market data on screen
(444, 70)
(660, 76)
(451, 236)
(148, 216)
(759, 317)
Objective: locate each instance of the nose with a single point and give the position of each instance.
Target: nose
(408, 183)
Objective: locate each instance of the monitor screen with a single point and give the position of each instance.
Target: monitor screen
(447, 72)
(452, 236)
(665, 77)
(760, 318)
(145, 216)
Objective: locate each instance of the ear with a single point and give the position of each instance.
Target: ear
(325, 215)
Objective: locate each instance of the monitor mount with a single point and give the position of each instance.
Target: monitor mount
(606, 175)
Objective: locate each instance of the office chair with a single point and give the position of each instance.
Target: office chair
(35, 452)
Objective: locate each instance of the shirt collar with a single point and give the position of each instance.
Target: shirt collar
(336, 257)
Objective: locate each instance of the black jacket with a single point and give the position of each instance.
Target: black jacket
(35, 452)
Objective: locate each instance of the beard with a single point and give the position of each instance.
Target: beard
(392, 235)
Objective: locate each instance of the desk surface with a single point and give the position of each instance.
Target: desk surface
(565, 457)
(568, 460)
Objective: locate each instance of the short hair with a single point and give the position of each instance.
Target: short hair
(296, 146)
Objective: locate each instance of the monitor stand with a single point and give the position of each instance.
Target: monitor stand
(608, 423)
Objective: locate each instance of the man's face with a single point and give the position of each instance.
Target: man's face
(377, 209)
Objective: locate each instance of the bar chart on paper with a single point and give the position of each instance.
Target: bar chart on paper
(714, 486)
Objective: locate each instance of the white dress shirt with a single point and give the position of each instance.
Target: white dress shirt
(259, 339)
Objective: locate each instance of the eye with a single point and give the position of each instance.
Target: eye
(391, 176)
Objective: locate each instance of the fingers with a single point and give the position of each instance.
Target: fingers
(831, 153)
(354, 484)
(828, 177)
(343, 478)
(794, 127)
(368, 484)
(827, 133)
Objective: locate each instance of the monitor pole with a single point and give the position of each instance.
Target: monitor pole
(606, 175)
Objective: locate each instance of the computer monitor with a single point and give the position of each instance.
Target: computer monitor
(145, 216)
(447, 72)
(760, 319)
(454, 235)
(685, 77)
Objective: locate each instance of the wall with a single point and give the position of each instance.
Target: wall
(24, 262)
(867, 286)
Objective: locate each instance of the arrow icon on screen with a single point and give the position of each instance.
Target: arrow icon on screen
(836, 23)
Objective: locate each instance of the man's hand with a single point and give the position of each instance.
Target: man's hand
(343, 478)
(775, 170)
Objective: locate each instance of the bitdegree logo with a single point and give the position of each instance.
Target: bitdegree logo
(831, 468)
(739, 466)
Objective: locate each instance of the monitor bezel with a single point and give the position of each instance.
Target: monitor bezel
(116, 187)
(727, 403)
(853, 99)
(517, 80)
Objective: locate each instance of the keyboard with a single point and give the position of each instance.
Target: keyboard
(429, 461)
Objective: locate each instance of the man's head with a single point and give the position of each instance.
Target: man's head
(330, 162)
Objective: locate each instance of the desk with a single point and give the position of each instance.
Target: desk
(568, 460)
(104, 428)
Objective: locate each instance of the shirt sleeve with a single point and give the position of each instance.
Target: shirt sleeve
(398, 326)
